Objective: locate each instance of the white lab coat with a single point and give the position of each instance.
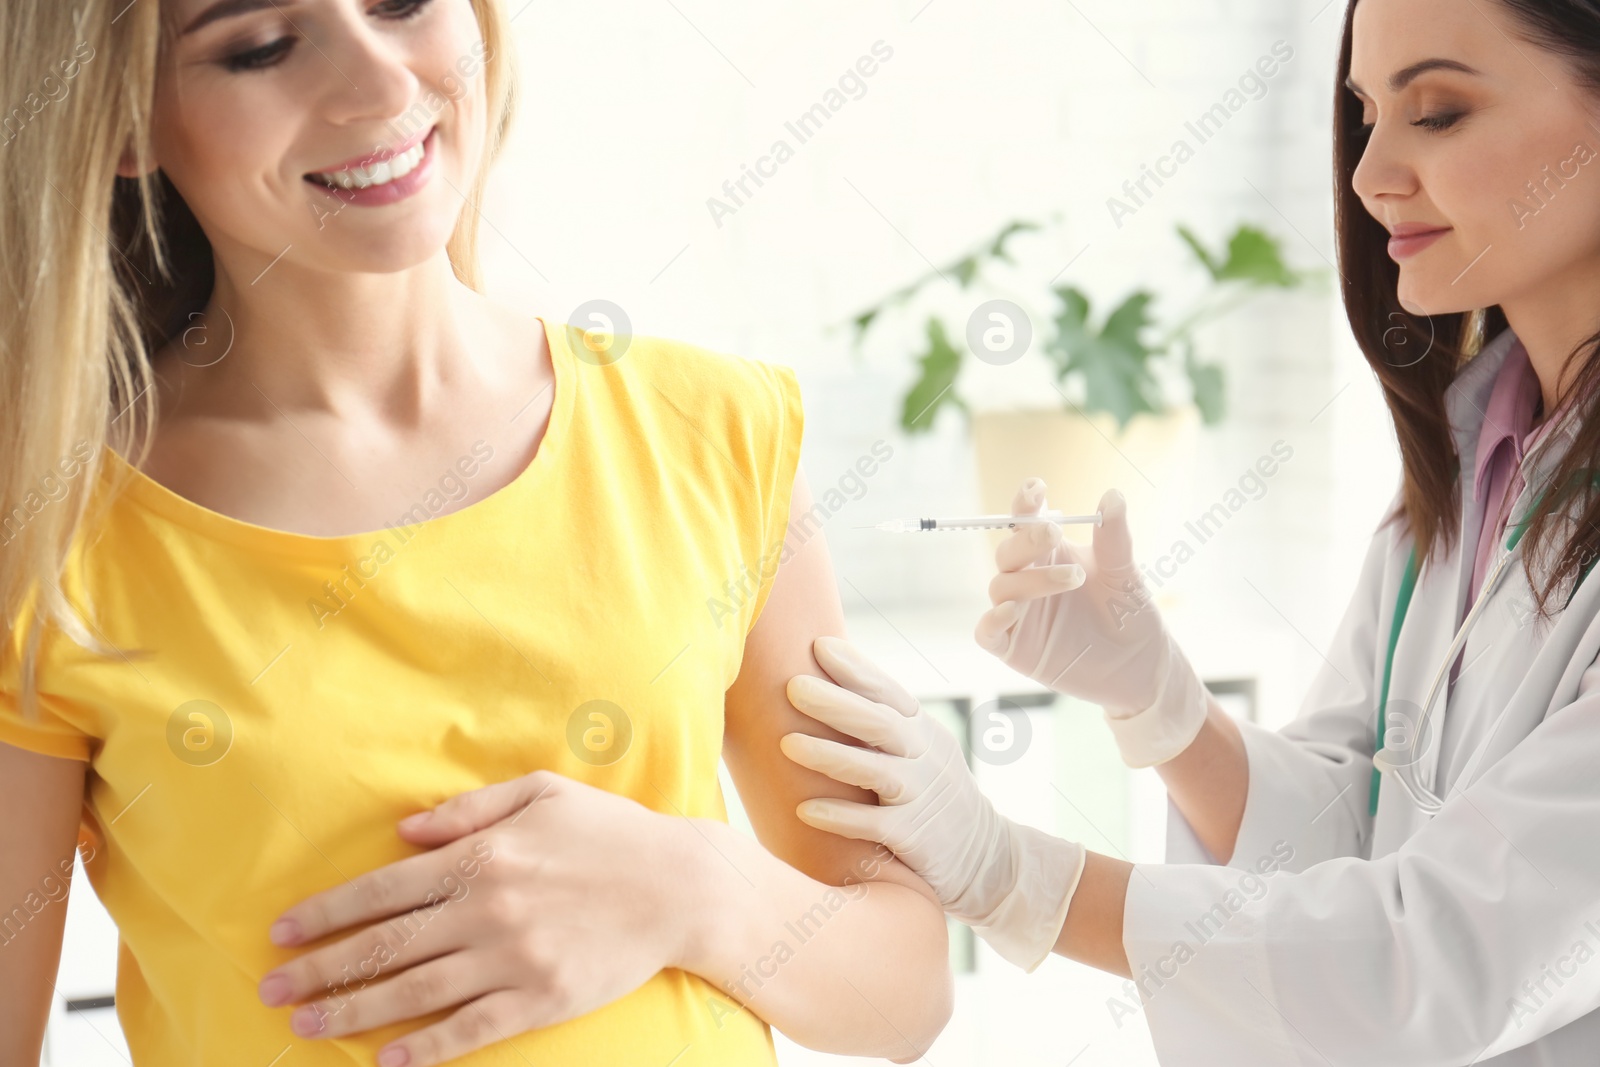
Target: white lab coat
(1471, 937)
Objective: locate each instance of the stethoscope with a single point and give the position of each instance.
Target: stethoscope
(1383, 759)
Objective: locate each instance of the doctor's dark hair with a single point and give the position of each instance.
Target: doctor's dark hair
(1415, 357)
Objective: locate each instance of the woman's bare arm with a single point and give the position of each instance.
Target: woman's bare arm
(1210, 780)
(41, 800)
(863, 969)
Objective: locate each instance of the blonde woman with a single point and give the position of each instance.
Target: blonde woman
(379, 641)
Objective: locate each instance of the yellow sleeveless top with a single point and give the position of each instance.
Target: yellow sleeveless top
(302, 694)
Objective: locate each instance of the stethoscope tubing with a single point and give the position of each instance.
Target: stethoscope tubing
(1424, 798)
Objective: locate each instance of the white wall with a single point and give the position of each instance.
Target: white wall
(636, 113)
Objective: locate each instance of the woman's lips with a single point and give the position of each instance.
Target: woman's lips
(1408, 243)
(377, 156)
(390, 192)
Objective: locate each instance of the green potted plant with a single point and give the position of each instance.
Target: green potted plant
(1125, 394)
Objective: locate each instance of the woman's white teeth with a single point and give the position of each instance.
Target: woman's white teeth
(378, 173)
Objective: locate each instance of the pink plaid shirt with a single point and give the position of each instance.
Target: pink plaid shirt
(1505, 439)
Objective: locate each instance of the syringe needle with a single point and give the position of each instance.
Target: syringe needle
(984, 522)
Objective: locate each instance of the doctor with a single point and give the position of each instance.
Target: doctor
(1409, 872)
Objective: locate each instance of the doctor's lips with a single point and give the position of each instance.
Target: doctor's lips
(1409, 238)
(380, 177)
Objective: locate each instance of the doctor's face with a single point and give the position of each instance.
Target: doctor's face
(1482, 138)
(265, 109)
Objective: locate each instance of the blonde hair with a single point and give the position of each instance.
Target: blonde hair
(97, 272)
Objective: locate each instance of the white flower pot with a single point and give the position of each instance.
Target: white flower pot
(1079, 456)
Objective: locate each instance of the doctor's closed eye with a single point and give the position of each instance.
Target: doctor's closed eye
(238, 58)
(1438, 122)
(1429, 78)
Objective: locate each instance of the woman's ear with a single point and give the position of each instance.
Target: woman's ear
(128, 163)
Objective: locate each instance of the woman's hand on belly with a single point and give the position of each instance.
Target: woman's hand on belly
(542, 899)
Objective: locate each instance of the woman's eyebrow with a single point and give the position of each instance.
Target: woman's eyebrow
(224, 9)
(1402, 78)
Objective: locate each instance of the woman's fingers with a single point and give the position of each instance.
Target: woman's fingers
(1031, 543)
(361, 1004)
(481, 1022)
(879, 725)
(846, 665)
(1113, 544)
(993, 632)
(1029, 499)
(1034, 582)
(423, 934)
(885, 775)
(863, 822)
(476, 809)
(368, 897)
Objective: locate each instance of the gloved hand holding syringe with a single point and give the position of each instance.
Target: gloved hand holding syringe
(1077, 619)
(1055, 601)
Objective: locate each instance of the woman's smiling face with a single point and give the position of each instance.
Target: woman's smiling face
(1464, 114)
(255, 96)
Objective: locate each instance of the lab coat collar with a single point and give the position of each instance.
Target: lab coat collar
(1444, 597)
(1467, 402)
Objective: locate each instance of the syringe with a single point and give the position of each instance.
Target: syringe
(982, 522)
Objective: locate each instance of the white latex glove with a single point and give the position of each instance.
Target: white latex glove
(1011, 883)
(1080, 620)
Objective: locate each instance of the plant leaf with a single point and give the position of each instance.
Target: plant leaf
(1124, 325)
(1072, 329)
(1207, 381)
(1206, 260)
(1114, 361)
(1254, 256)
(997, 247)
(935, 386)
(863, 322)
